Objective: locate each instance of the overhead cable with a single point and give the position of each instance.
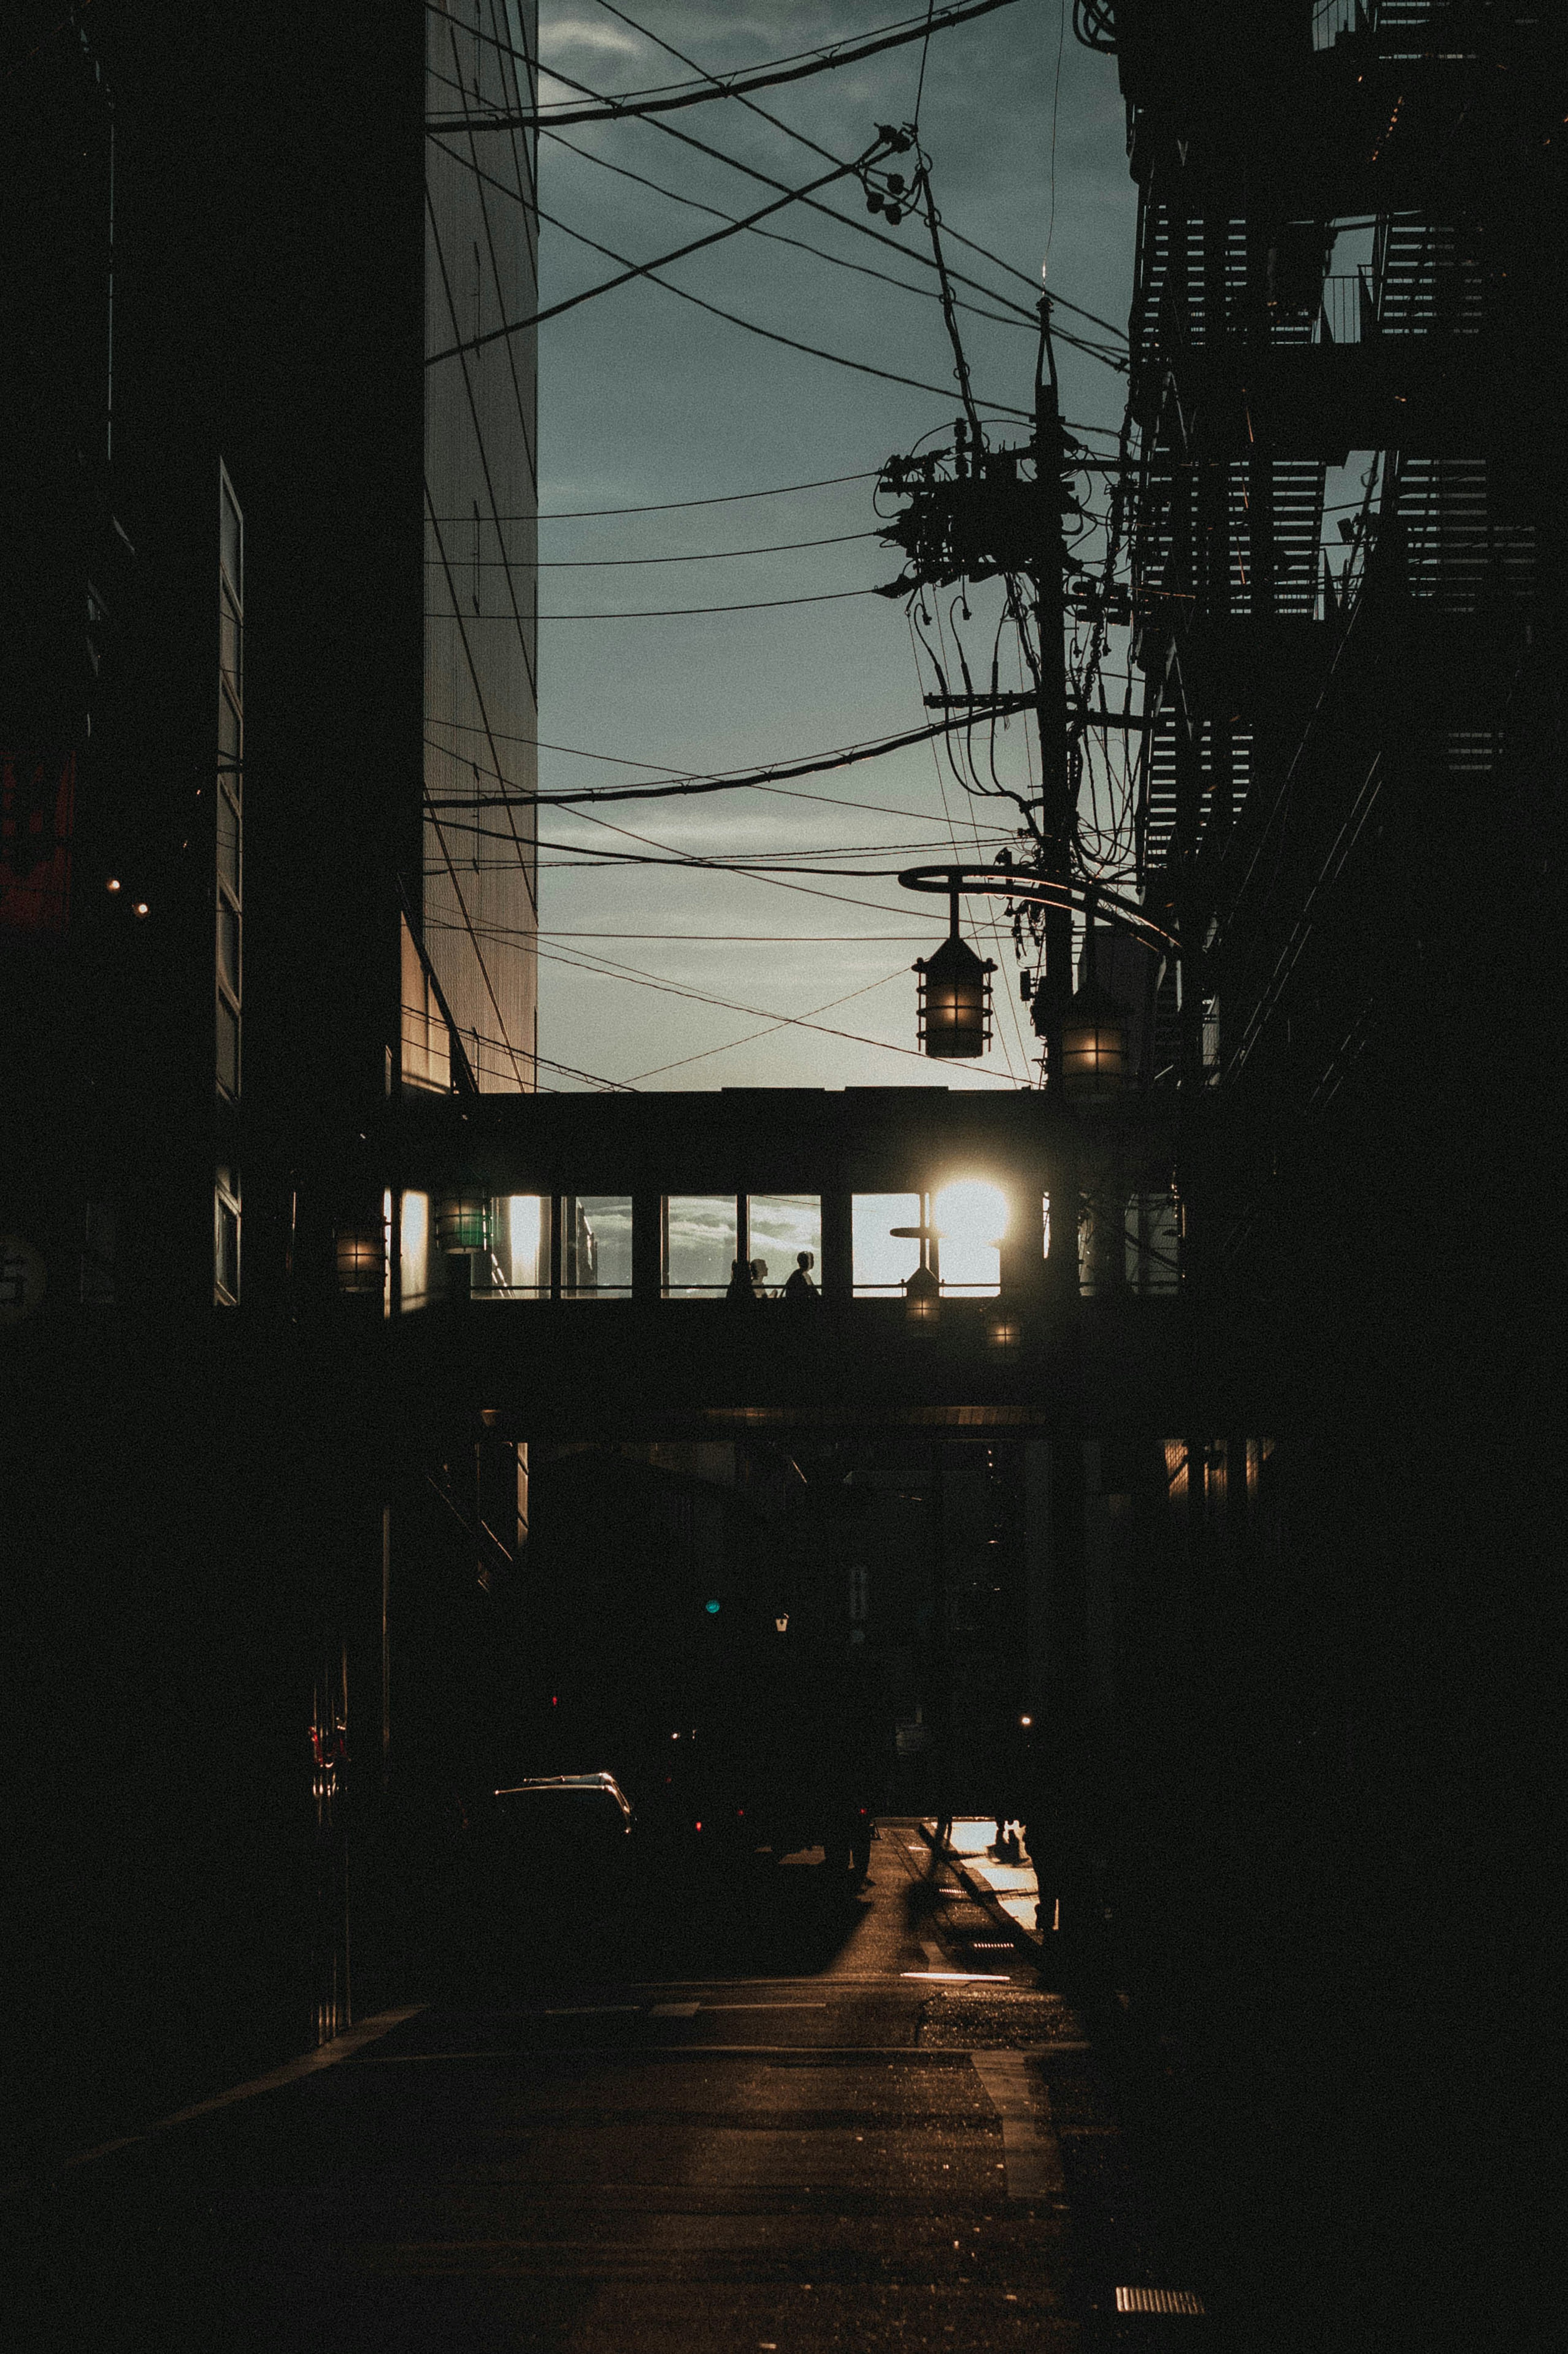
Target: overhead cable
(779, 237)
(864, 227)
(772, 335)
(634, 103)
(847, 757)
(699, 556)
(801, 138)
(661, 262)
(675, 612)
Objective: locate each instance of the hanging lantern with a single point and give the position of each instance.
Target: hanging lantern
(462, 1222)
(954, 998)
(360, 1255)
(922, 1300)
(1094, 1043)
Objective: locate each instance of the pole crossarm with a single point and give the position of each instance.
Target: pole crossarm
(1025, 888)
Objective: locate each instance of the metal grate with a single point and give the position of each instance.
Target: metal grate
(1158, 2300)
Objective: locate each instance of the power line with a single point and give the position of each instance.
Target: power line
(675, 612)
(838, 260)
(772, 335)
(670, 507)
(637, 103)
(847, 756)
(606, 969)
(801, 140)
(747, 939)
(661, 262)
(750, 326)
(862, 228)
(702, 555)
(825, 800)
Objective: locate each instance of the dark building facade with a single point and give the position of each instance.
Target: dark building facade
(1346, 543)
(247, 693)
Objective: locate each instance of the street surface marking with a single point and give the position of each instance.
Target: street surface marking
(1158, 2300)
(964, 1978)
(342, 2047)
(590, 2010)
(649, 2055)
(1028, 2144)
(674, 2010)
(764, 2006)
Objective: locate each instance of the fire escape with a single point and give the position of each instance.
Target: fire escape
(1349, 262)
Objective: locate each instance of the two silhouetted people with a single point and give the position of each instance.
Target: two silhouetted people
(748, 1279)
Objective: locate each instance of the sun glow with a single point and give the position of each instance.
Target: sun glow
(970, 1216)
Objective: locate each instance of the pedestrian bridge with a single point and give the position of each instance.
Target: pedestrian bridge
(569, 1264)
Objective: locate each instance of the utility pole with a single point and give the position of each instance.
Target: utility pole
(1056, 809)
(989, 519)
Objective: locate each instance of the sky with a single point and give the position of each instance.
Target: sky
(646, 399)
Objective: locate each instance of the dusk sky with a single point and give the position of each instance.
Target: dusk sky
(645, 399)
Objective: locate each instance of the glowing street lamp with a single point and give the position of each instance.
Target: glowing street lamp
(1094, 1043)
(954, 1005)
(461, 1219)
(361, 1257)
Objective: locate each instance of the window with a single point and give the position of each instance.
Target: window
(228, 946)
(970, 1216)
(228, 1046)
(226, 1239)
(228, 797)
(701, 1244)
(520, 1246)
(596, 1246)
(779, 1226)
(883, 1262)
(231, 539)
(414, 1251)
(1153, 1243)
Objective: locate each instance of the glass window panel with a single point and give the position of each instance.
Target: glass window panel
(971, 1217)
(228, 753)
(228, 842)
(229, 945)
(518, 1261)
(882, 1263)
(228, 1046)
(230, 649)
(596, 1246)
(232, 542)
(414, 1251)
(781, 1226)
(700, 1243)
(1153, 1243)
(226, 1247)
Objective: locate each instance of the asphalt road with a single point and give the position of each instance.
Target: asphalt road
(778, 2128)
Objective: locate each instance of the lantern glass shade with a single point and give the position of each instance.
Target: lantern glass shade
(462, 1221)
(922, 1298)
(1093, 1042)
(361, 1253)
(953, 1000)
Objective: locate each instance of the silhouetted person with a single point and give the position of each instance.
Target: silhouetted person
(799, 1286)
(740, 1283)
(759, 1271)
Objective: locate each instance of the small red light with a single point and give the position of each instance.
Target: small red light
(554, 1699)
(740, 1813)
(696, 1826)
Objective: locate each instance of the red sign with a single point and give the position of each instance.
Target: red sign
(37, 807)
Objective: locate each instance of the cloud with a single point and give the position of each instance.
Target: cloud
(576, 33)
